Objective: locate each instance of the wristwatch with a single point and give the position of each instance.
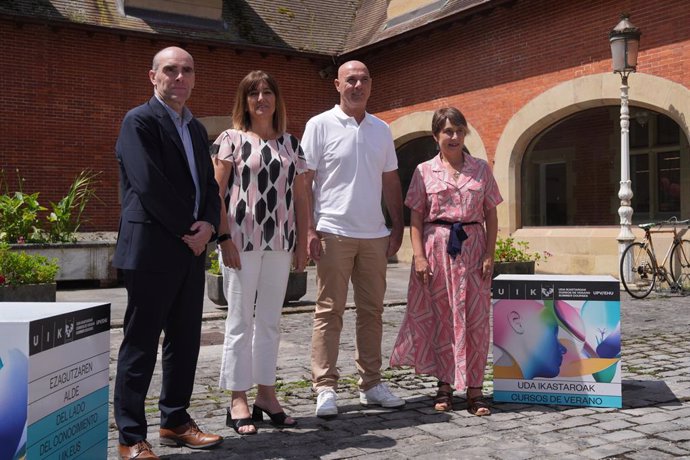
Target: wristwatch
(223, 237)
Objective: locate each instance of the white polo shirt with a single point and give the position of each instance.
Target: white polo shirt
(348, 159)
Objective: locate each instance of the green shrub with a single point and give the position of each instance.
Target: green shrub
(65, 217)
(18, 267)
(19, 212)
(510, 250)
(214, 269)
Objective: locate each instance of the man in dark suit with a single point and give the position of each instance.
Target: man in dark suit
(170, 209)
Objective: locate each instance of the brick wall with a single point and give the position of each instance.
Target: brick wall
(491, 65)
(65, 92)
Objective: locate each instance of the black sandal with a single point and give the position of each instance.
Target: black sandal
(443, 401)
(277, 419)
(237, 423)
(477, 405)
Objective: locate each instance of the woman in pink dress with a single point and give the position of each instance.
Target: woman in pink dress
(453, 226)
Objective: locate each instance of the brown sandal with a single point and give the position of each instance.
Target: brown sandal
(443, 401)
(477, 405)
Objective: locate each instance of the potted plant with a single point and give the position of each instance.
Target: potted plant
(26, 277)
(514, 257)
(296, 287)
(51, 231)
(214, 281)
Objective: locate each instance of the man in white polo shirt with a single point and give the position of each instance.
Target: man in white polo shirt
(351, 160)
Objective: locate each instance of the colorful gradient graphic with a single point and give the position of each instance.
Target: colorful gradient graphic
(14, 373)
(556, 339)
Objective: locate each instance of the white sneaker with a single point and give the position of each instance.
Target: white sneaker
(325, 403)
(381, 395)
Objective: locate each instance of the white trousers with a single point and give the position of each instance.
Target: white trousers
(255, 296)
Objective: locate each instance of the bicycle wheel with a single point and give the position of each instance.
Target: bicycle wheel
(680, 264)
(637, 270)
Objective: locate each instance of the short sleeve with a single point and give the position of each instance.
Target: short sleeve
(297, 155)
(492, 196)
(310, 145)
(225, 145)
(416, 194)
(391, 157)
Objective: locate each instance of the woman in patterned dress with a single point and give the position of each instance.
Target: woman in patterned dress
(259, 169)
(453, 227)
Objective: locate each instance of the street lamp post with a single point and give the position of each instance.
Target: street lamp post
(625, 41)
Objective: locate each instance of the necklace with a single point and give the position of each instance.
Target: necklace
(452, 169)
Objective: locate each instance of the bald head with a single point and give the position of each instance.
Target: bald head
(169, 51)
(354, 85)
(343, 69)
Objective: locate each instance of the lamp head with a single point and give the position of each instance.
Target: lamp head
(625, 43)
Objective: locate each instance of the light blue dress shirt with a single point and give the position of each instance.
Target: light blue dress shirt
(182, 125)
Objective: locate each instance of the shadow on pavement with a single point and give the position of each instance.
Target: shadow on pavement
(349, 434)
(646, 393)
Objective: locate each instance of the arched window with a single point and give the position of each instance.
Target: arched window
(655, 165)
(571, 170)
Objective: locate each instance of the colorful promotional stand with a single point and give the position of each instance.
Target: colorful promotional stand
(557, 340)
(54, 361)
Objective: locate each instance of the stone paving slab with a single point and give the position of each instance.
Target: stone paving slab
(652, 424)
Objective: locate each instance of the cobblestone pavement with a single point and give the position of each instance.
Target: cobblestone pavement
(653, 423)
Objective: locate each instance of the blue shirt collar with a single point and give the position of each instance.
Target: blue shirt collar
(186, 113)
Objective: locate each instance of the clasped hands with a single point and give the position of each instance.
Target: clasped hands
(200, 234)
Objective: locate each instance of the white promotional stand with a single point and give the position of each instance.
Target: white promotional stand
(557, 340)
(54, 361)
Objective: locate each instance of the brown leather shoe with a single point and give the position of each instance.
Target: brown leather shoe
(189, 435)
(140, 450)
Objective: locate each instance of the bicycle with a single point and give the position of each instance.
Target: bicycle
(640, 269)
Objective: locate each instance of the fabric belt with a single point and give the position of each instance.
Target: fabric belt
(456, 237)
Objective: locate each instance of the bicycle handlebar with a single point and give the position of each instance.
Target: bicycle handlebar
(670, 222)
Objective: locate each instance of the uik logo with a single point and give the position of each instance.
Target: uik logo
(69, 329)
(547, 291)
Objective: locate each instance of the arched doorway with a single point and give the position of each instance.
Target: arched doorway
(410, 155)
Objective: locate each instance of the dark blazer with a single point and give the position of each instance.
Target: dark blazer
(157, 190)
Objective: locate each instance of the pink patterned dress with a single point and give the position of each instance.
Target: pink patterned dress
(445, 331)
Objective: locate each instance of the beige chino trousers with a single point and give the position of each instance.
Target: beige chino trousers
(364, 261)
